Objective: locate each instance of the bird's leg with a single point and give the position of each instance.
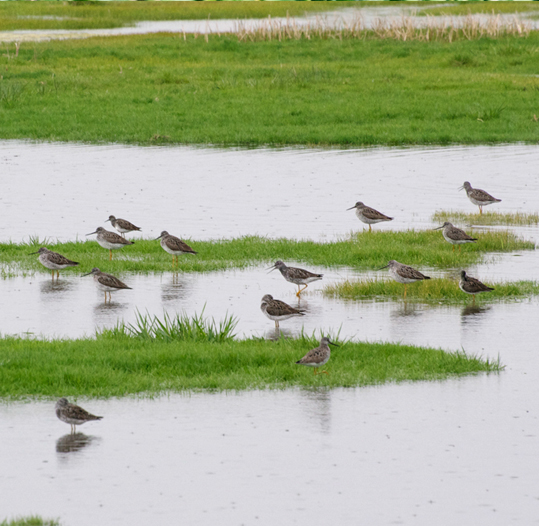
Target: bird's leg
(473, 301)
(276, 324)
(57, 274)
(480, 210)
(453, 248)
(110, 255)
(52, 275)
(370, 228)
(405, 291)
(459, 249)
(300, 291)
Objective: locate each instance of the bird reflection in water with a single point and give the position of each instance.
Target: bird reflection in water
(407, 309)
(174, 290)
(275, 334)
(72, 443)
(317, 404)
(473, 310)
(55, 287)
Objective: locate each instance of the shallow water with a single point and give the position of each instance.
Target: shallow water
(462, 451)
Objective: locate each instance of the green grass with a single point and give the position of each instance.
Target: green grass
(486, 218)
(362, 251)
(94, 15)
(160, 89)
(444, 291)
(121, 365)
(34, 520)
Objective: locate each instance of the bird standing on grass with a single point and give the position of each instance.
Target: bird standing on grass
(404, 274)
(174, 245)
(110, 240)
(455, 235)
(471, 285)
(54, 261)
(319, 356)
(122, 225)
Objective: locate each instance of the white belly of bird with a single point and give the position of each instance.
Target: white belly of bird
(400, 279)
(170, 251)
(278, 318)
(319, 364)
(67, 420)
(104, 288)
(109, 246)
(49, 264)
(361, 217)
(455, 241)
(480, 203)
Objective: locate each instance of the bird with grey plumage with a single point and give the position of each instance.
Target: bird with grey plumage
(277, 310)
(455, 235)
(110, 240)
(298, 276)
(369, 215)
(404, 274)
(319, 356)
(471, 285)
(174, 246)
(478, 197)
(106, 282)
(53, 261)
(122, 225)
(72, 414)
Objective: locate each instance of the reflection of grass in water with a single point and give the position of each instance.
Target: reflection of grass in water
(487, 218)
(363, 250)
(34, 520)
(115, 364)
(430, 291)
(95, 15)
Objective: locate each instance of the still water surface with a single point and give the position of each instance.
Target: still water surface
(463, 451)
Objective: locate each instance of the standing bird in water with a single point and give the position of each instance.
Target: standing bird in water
(110, 240)
(368, 215)
(478, 197)
(455, 235)
(319, 356)
(471, 285)
(122, 225)
(54, 261)
(404, 274)
(278, 310)
(73, 414)
(298, 276)
(106, 282)
(174, 245)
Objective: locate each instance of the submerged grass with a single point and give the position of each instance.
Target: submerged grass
(430, 291)
(33, 520)
(487, 218)
(123, 364)
(364, 250)
(164, 89)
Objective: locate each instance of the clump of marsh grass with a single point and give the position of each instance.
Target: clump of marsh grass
(181, 327)
(33, 520)
(433, 291)
(429, 29)
(487, 218)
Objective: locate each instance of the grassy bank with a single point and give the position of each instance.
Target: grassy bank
(363, 251)
(97, 15)
(465, 8)
(432, 291)
(486, 218)
(161, 89)
(117, 365)
(34, 520)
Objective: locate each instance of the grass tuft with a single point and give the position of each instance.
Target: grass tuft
(430, 291)
(33, 520)
(487, 218)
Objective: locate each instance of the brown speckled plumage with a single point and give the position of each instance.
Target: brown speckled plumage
(73, 414)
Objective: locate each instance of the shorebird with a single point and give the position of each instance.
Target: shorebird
(278, 310)
(369, 215)
(110, 240)
(455, 235)
(106, 282)
(174, 245)
(471, 285)
(122, 225)
(478, 197)
(297, 276)
(54, 261)
(317, 357)
(73, 414)
(404, 274)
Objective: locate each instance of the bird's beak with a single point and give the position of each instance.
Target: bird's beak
(272, 269)
(158, 238)
(107, 220)
(33, 253)
(92, 233)
(336, 344)
(86, 274)
(382, 267)
(461, 188)
(438, 228)
(351, 207)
